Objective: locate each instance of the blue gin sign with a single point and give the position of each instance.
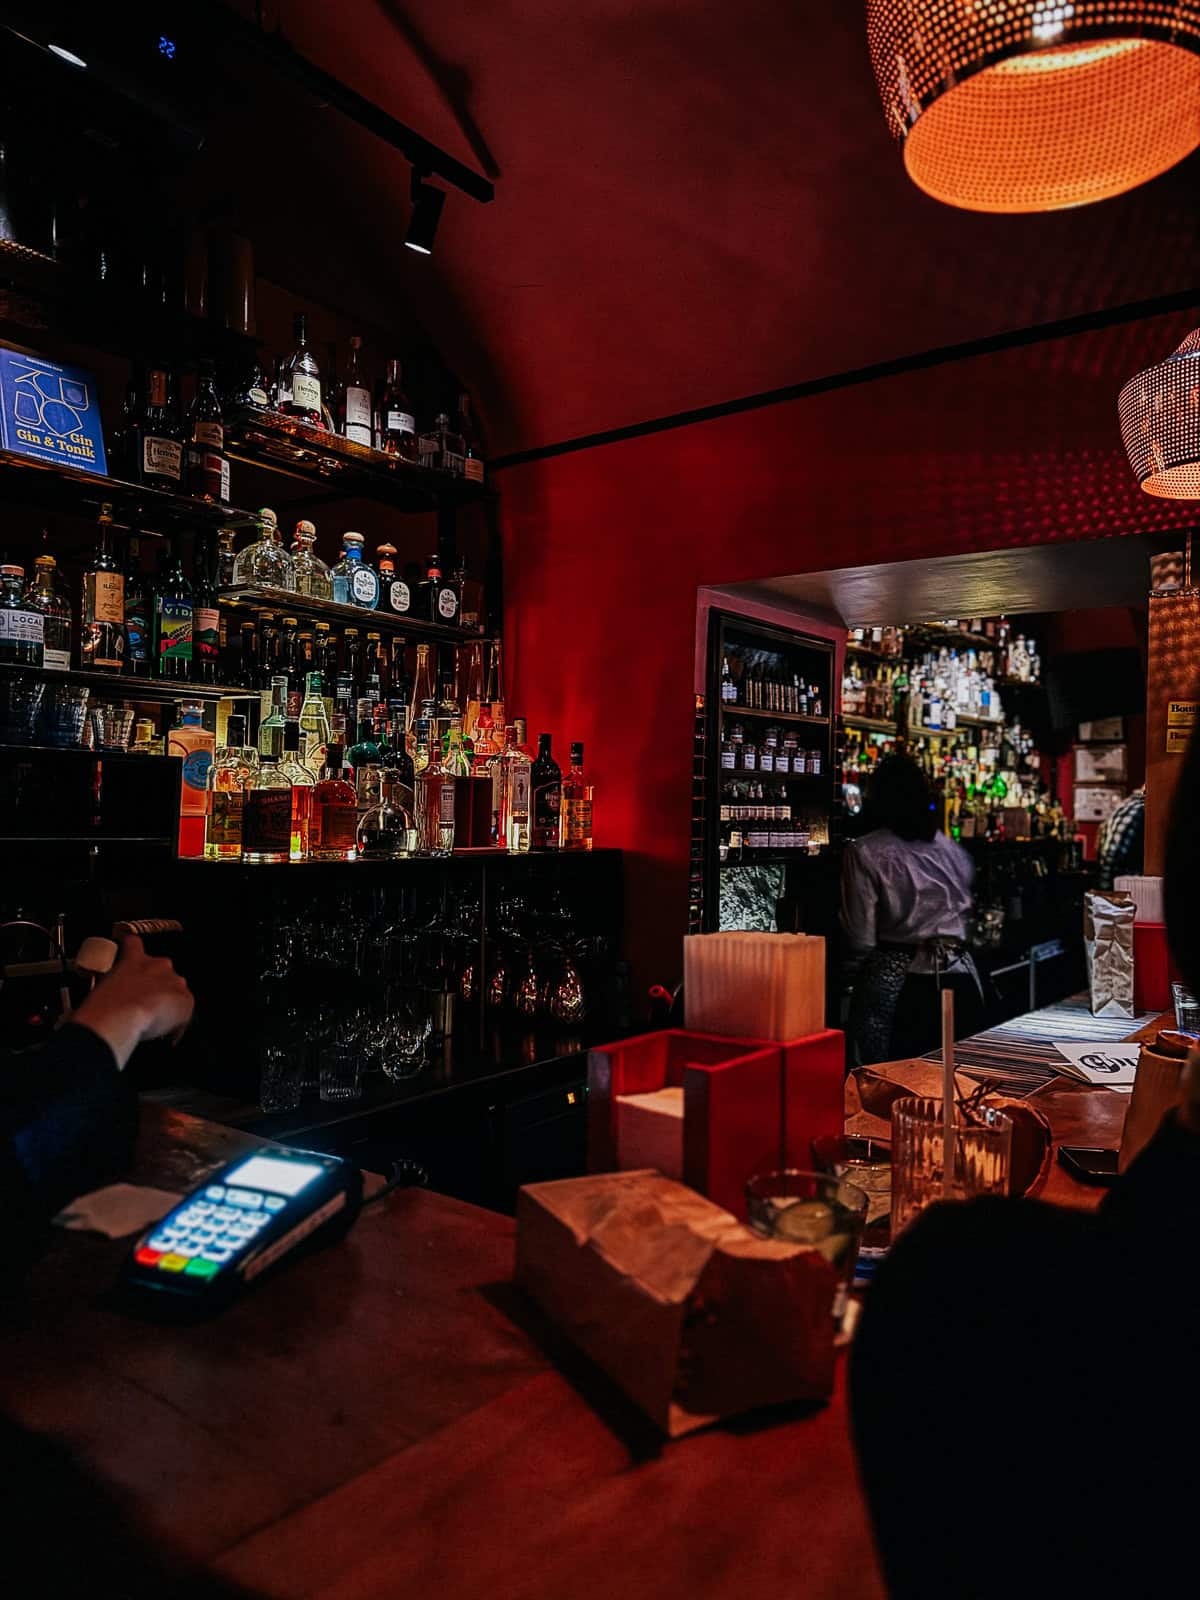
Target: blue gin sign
(50, 412)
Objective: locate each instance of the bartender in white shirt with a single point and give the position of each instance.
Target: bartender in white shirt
(906, 898)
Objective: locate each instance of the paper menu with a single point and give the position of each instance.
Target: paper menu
(1112, 1066)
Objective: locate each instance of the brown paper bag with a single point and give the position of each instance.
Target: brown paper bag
(1156, 1089)
(1108, 943)
(691, 1313)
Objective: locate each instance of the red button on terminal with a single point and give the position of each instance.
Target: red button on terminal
(147, 1258)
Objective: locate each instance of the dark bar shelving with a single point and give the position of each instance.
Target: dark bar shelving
(126, 686)
(264, 597)
(76, 491)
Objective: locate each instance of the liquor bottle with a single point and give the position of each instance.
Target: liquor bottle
(206, 616)
(251, 386)
(171, 618)
(207, 464)
(302, 397)
(233, 767)
(268, 652)
(315, 732)
(484, 742)
(287, 663)
(576, 813)
(515, 798)
(354, 582)
(365, 758)
(281, 385)
(190, 739)
(438, 600)
(102, 636)
(334, 813)
(398, 767)
(546, 779)
(423, 687)
(271, 728)
(522, 727)
(472, 451)
(226, 558)
(248, 672)
(325, 656)
(267, 818)
(265, 561)
(378, 666)
(434, 805)
(126, 445)
(353, 407)
(395, 594)
(395, 423)
(310, 573)
(457, 761)
(42, 594)
(303, 783)
(442, 448)
(158, 435)
(385, 831)
(22, 624)
(352, 643)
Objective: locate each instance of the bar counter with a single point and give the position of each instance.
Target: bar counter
(390, 1417)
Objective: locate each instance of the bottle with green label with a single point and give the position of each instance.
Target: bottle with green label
(171, 618)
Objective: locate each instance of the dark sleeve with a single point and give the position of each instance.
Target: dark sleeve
(68, 1120)
(1158, 1197)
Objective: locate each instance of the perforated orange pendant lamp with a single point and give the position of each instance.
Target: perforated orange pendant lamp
(1160, 423)
(1012, 105)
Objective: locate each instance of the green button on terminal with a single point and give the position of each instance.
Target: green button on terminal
(199, 1268)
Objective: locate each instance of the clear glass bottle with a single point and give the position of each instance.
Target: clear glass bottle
(457, 760)
(354, 582)
(353, 408)
(102, 636)
(512, 795)
(364, 758)
(310, 572)
(232, 770)
(385, 830)
(302, 396)
(575, 814)
(265, 561)
(271, 728)
(22, 625)
(315, 732)
(442, 447)
(472, 451)
(472, 685)
(334, 827)
(396, 427)
(423, 688)
(226, 558)
(434, 805)
(267, 817)
(43, 596)
(547, 797)
(207, 463)
(303, 784)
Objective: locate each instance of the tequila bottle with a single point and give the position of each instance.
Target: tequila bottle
(311, 574)
(43, 596)
(303, 784)
(395, 595)
(265, 561)
(315, 733)
(232, 770)
(438, 600)
(355, 581)
(172, 617)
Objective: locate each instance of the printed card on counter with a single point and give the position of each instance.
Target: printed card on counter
(1112, 1066)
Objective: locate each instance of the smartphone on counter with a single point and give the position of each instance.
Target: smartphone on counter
(1088, 1163)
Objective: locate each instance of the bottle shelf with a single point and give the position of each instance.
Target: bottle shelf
(124, 686)
(77, 492)
(766, 858)
(734, 713)
(870, 724)
(287, 445)
(963, 719)
(265, 597)
(866, 652)
(740, 774)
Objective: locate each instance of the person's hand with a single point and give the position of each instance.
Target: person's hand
(143, 997)
(1188, 1115)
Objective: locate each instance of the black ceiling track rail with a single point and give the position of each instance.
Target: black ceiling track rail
(943, 355)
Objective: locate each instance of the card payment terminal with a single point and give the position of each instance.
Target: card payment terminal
(246, 1218)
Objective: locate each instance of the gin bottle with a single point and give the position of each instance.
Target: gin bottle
(265, 561)
(43, 596)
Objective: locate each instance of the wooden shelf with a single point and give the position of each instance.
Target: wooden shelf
(77, 492)
(284, 444)
(264, 597)
(866, 652)
(123, 686)
(735, 713)
(931, 634)
(870, 724)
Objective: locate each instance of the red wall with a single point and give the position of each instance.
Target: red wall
(605, 549)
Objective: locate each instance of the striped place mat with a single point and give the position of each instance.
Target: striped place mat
(1019, 1056)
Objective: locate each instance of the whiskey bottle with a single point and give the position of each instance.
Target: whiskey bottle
(171, 618)
(22, 625)
(576, 812)
(472, 451)
(267, 818)
(233, 767)
(332, 834)
(102, 636)
(438, 601)
(353, 407)
(158, 436)
(302, 396)
(397, 427)
(208, 465)
(206, 616)
(546, 780)
(303, 783)
(42, 594)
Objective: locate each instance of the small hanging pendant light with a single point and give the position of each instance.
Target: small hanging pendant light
(1160, 423)
(1023, 105)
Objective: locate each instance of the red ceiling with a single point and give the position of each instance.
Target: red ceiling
(693, 203)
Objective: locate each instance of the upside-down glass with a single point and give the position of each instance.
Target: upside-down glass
(982, 1150)
(812, 1208)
